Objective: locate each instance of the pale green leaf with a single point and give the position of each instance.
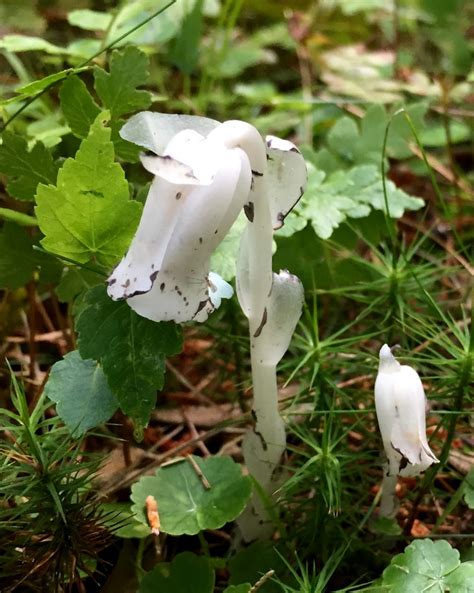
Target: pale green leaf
(90, 20)
(88, 214)
(185, 505)
(81, 393)
(428, 565)
(19, 43)
(119, 518)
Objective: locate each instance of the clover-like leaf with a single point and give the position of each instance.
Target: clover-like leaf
(187, 573)
(426, 565)
(185, 504)
(81, 393)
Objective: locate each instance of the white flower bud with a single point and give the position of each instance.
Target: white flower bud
(400, 407)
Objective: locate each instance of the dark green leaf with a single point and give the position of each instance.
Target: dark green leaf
(25, 169)
(79, 108)
(118, 89)
(132, 350)
(89, 214)
(185, 504)
(75, 281)
(185, 49)
(82, 395)
(187, 573)
(17, 261)
(250, 564)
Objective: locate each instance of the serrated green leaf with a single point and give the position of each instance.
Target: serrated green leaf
(81, 393)
(78, 106)
(426, 565)
(88, 214)
(131, 349)
(25, 169)
(118, 89)
(329, 201)
(187, 573)
(185, 505)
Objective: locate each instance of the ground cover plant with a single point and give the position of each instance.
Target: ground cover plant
(214, 215)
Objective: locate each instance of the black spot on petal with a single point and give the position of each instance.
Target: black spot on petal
(249, 210)
(262, 324)
(153, 276)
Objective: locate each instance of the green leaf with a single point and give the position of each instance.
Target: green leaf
(119, 518)
(187, 573)
(250, 564)
(349, 194)
(17, 261)
(184, 504)
(185, 50)
(38, 85)
(89, 214)
(78, 106)
(131, 349)
(18, 43)
(118, 89)
(224, 258)
(90, 20)
(25, 169)
(426, 565)
(469, 489)
(243, 588)
(75, 281)
(81, 393)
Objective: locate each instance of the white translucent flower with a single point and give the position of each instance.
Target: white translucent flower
(204, 174)
(400, 406)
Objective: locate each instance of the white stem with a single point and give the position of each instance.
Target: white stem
(264, 445)
(388, 501)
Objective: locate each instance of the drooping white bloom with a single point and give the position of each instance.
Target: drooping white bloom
(400, 407)
(204, 174)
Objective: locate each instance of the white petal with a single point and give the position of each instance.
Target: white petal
(280, 317)
(218, 289)
(287, 178)
(400, 407)
(153, 131)
(181, 290)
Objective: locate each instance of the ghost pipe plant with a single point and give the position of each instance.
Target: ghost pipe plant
(205, 173)
(400, 407)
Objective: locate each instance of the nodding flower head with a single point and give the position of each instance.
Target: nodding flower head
(204, 173)
(400, 407)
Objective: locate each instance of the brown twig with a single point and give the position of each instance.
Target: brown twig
(199, 472)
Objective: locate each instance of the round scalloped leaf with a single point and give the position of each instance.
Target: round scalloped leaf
(187, 573)
(426, 565)
(185, 504)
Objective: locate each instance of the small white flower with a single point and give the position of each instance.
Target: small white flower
(400, 407)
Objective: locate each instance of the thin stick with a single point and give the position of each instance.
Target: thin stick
(198, 470)
(267, 576)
